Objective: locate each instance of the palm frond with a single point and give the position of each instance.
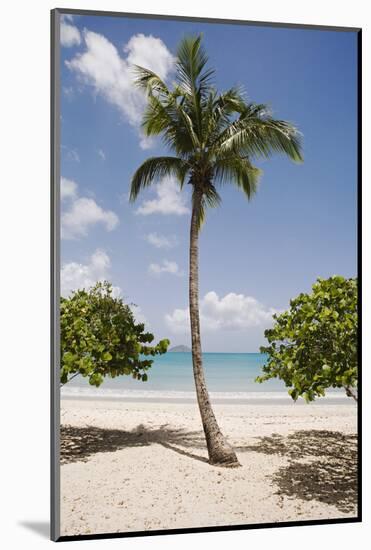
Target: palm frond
(160, 118)
(239, 171)
(198, 208)
(191, 63)
(172, 121)
(208, 198)
(188, 124)
(261, 136)
(219, 111)
(194, 79)
(231, 101)
(149, 82)
(212, 197)
(154, 169)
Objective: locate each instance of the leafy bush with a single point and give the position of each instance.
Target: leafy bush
(100, 337)
(313, 345)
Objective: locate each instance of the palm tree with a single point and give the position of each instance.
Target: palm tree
(213, 137)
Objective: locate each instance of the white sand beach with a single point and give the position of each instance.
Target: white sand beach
(143, 466)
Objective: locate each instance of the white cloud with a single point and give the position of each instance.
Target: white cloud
(70, 35)
(102, 154)
(82, 213)
(161, 241)
(145, 142)
(149, 52)
(68, 91)
(165, 267)
(138, 314)
(85, 212)
(67, 17)
(111, 76)
(68, 189)
(232, 312)
(170, 200)
(77, 276)
(71, 154)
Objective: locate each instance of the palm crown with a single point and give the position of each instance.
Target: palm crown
(214, 136)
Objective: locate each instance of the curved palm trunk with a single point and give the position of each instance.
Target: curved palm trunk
(220, 452)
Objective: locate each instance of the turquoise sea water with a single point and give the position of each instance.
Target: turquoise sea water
(229, 376)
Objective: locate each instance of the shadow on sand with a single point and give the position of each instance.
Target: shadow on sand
(78, 444)
(322, 464)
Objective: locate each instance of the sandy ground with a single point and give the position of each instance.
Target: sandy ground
(143, 466)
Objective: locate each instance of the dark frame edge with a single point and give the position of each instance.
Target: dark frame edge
(54, 278)
(359, 263)
(215, 529)
(170, 17)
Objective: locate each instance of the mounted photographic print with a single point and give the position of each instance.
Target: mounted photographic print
(205, 292)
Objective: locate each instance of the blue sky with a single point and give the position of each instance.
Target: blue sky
(254, 256)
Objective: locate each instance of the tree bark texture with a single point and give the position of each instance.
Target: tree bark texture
(220, 452)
